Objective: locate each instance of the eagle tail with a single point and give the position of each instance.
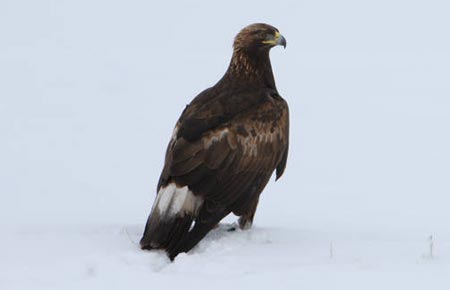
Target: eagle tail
(171, 217)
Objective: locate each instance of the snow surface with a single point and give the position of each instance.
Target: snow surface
(108, 257)
(89, 94)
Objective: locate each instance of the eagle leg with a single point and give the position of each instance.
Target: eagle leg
(246, 220)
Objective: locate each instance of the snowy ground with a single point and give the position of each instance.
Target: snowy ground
(89, 94)
(107, 257)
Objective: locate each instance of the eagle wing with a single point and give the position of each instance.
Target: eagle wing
(231, 161)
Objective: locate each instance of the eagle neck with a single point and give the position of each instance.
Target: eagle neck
(251, 68)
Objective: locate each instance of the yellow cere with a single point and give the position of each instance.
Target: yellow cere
(274, 40)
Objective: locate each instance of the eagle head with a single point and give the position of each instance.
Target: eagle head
(258, 36)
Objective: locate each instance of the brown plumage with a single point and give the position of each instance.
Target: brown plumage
(225, 146)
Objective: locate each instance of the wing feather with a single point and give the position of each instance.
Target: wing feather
(234, 161)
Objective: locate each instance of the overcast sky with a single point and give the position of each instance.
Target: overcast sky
(90, 92)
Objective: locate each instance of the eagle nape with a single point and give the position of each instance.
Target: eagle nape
(225, 147)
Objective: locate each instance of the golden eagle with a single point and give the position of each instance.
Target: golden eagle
(224, 148)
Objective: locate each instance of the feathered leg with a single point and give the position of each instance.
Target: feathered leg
(246, 220)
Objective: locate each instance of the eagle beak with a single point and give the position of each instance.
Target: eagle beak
(276, 39)
(281, 40)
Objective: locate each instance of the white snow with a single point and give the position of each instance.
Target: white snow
(105, 257)
(90, 92)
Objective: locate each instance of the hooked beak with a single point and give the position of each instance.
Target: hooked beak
(281, 40)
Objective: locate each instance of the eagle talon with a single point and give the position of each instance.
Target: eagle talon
(232, 227)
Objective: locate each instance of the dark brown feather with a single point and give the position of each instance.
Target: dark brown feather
(223, 174)
(228, 141)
